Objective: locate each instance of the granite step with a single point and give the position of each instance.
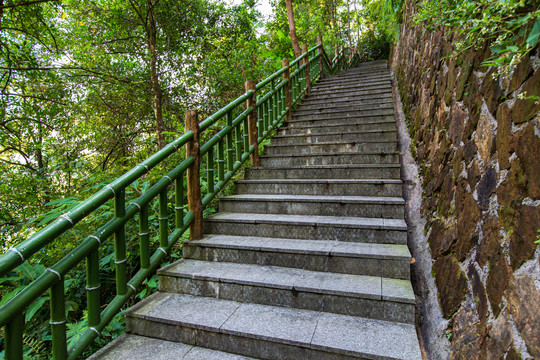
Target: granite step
(361, 206)
(343, 118)
(371, 297)
(135, 347)
(385, 260)
(336, 136)
(327, 187)
(322, 127)
(330, 159)
(343, 98)
(353, 171)
(270, 332)
(360, 77)
(351, 91)
(332, 105)
(309, 227)
(379, 146)
(337, 109)
(352, 85)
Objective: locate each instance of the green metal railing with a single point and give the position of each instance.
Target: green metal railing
(270, 101)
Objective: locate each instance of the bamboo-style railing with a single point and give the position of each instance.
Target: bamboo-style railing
(268, 103)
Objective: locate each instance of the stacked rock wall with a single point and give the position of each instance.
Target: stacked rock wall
(477, 143)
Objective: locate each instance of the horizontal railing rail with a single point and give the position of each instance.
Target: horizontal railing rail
(240, 127)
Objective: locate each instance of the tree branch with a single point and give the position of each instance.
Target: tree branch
(26, 4)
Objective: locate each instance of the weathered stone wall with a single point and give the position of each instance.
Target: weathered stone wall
(478, 147)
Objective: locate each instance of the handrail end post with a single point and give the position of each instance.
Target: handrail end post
(306, 61)
(252, 121)
(287, 88)
(321, 60)
(193, 173)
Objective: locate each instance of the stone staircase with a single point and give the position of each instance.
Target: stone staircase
(309, 258)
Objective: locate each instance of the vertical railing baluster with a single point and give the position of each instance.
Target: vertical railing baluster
(210, 171)
(230, 146)
(245, 134)
(179, 201)
(144, 237)
(163, 220)
(273, 108)
(238, 142)
(221, 160)
(13, 338)
(58, 321)
(92, 288)
(261, 119)
(120, 244)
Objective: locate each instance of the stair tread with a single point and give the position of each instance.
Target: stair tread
(334, 133)
(334, 154)
(339, 334)
(316, 198)
(277, 277)
(331, 166)
(321, 181)
(333, 143)
(313, 220)
(135, 347)
(314, 247)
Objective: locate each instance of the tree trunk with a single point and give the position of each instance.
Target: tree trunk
(292, 29)
(349, 23)
(158, 93)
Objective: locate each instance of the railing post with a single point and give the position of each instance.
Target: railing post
(13, 338)
(337, 60)
(252, 122)
(193, 176)
(308, 82)
(321, 60)
(343, 60)
(287, 87)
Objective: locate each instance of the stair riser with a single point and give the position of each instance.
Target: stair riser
(341, 109)
(330, 160)
(388, 268)
(320, 189)
(344, 118)
(342, 127)
(332, 148)
(313, 139)
(231, 343)
(307, 173)
(386, 211)
(291, 298)
(312, 232)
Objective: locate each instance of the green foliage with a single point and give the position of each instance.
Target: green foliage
(510, 27)
(78, 110)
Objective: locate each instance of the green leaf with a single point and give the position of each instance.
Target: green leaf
(36, 305)
(512, 48)
(497, 48)
(534, 35)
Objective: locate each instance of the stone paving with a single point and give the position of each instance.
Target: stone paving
(309, 258)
